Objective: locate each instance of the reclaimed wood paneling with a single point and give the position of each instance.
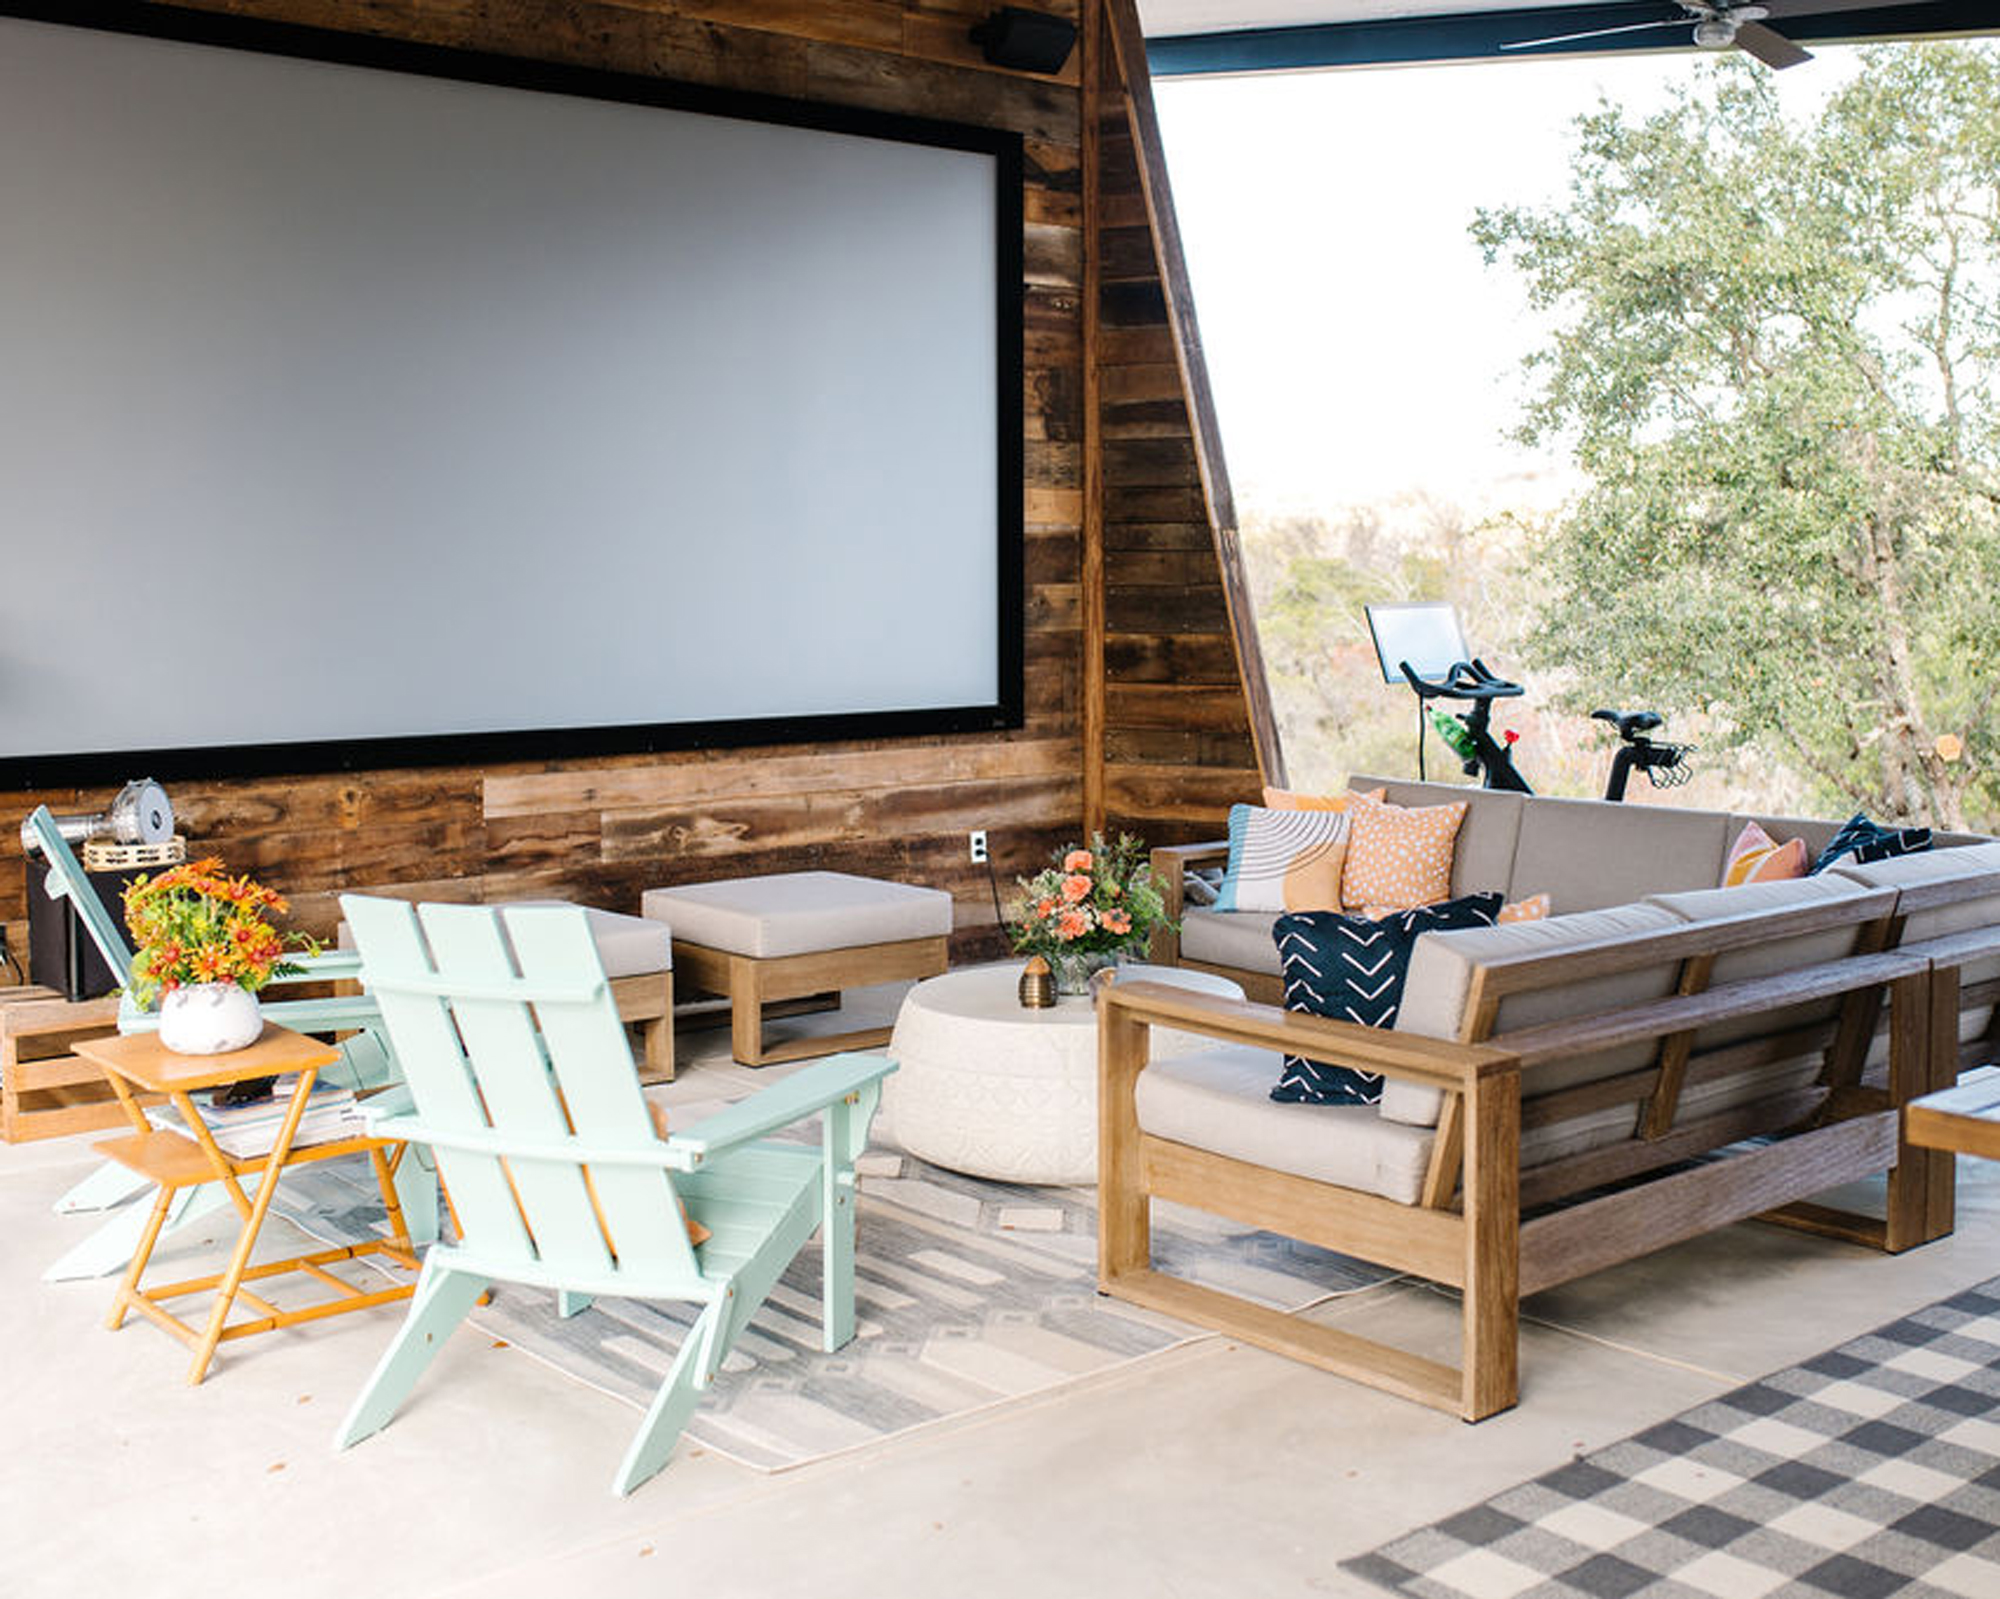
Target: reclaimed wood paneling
(1181, 736)
(1168, 748)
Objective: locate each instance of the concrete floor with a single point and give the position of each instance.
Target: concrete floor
(1211, 1469)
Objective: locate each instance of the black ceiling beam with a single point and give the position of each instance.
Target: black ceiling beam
(1466, 37)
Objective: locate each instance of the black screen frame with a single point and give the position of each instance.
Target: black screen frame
(1006, 149)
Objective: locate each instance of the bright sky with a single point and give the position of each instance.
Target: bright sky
(1357, 343)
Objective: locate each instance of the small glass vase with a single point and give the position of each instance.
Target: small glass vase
(209, 1019)
(1075, 969)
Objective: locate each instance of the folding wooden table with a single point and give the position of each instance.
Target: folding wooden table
(176, 1160)
(1964, 1119)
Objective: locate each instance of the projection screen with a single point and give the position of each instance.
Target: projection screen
(356, 415)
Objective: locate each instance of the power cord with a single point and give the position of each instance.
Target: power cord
(7, 955)
(993, 882)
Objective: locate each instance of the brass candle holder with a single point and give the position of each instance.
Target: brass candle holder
(1038, 984)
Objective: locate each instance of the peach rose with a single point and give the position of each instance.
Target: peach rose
(1077, 860)
(1074, 924)
(1116, 922)
(1045, 908)
(1075, 888)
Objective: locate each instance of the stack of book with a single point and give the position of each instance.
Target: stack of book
(247, 1131)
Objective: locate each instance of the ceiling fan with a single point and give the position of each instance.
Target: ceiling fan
(1722, 26)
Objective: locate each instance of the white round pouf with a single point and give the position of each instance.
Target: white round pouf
(987, 1087)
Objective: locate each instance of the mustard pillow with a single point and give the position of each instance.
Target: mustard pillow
(1397, 857)
(1285, 799)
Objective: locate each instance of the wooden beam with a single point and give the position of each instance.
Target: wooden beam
(1094, 668)
(1129, 50)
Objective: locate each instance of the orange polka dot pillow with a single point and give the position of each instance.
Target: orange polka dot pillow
(1399, 857)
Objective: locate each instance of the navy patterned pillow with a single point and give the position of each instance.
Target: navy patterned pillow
(1353, 969)
(1868, 842)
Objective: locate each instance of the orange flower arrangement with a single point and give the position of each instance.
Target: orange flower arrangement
(1091, 901)
(196, 924)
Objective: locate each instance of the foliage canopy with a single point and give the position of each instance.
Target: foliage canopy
(1775, 354)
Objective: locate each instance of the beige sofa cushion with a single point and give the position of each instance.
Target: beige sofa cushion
(1589, 854)
(1931, 866)
(1441, 970)
(1230, 938)
(1766, 960)
(1220, 1100)
(1484, 858)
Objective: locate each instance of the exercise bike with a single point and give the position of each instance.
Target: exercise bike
(1469, 734)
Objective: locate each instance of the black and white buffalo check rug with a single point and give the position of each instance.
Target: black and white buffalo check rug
(1869, 1471)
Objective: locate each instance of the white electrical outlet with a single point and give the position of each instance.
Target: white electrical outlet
(978, 837)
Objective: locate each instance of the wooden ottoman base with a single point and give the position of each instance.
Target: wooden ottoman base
(750, 982)
(647, 1003)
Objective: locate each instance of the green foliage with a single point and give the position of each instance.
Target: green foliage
(1774, 355)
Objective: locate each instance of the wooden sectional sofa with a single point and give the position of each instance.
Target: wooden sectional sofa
(1657, 1059)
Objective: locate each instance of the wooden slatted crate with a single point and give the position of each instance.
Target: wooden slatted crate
(46, 1090)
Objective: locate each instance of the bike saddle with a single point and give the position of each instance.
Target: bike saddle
(1630, 724)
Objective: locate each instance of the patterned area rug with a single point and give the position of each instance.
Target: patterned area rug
(968, 1294)
(1869, 1471)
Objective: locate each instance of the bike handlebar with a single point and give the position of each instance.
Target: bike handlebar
(1467, 680)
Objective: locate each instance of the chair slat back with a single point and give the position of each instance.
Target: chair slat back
(68, 880)
(538, 1053)
(592, 1062)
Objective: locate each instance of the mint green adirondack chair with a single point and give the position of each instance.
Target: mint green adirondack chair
(365, 1063)
(525, 1088)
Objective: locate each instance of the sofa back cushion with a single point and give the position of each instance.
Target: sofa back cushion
(1442, 967)
(1770, 958)
(1483, 857)
(1932, 866)
(1942, 862)
(1589, 854)
(1241, 939)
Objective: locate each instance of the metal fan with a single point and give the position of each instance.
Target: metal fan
(1723, 26)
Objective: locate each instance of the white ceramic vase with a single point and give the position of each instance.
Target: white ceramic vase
(209, 1019)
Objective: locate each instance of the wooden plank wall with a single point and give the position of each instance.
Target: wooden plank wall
(600, 831)
(1181, 738)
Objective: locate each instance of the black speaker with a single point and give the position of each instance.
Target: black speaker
(1026, 41)
(60, 953)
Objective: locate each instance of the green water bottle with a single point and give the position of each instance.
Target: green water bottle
(1452, 731)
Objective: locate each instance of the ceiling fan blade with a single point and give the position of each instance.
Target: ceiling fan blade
(1817, 8)
(1769, 46)
(1594, 33)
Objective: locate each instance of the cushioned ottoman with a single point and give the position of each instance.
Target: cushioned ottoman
(790, 934)
(638, 957)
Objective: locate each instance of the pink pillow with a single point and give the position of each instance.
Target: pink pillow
(1756, 857)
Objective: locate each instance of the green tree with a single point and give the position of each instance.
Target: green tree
(1775, 353)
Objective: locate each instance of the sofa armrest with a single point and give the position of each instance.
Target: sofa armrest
(1126, 1010)
(1170, 865)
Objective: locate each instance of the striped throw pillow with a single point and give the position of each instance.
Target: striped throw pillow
(1283, 860)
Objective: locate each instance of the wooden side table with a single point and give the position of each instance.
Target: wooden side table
(177, 1160)
(1964, 1119)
